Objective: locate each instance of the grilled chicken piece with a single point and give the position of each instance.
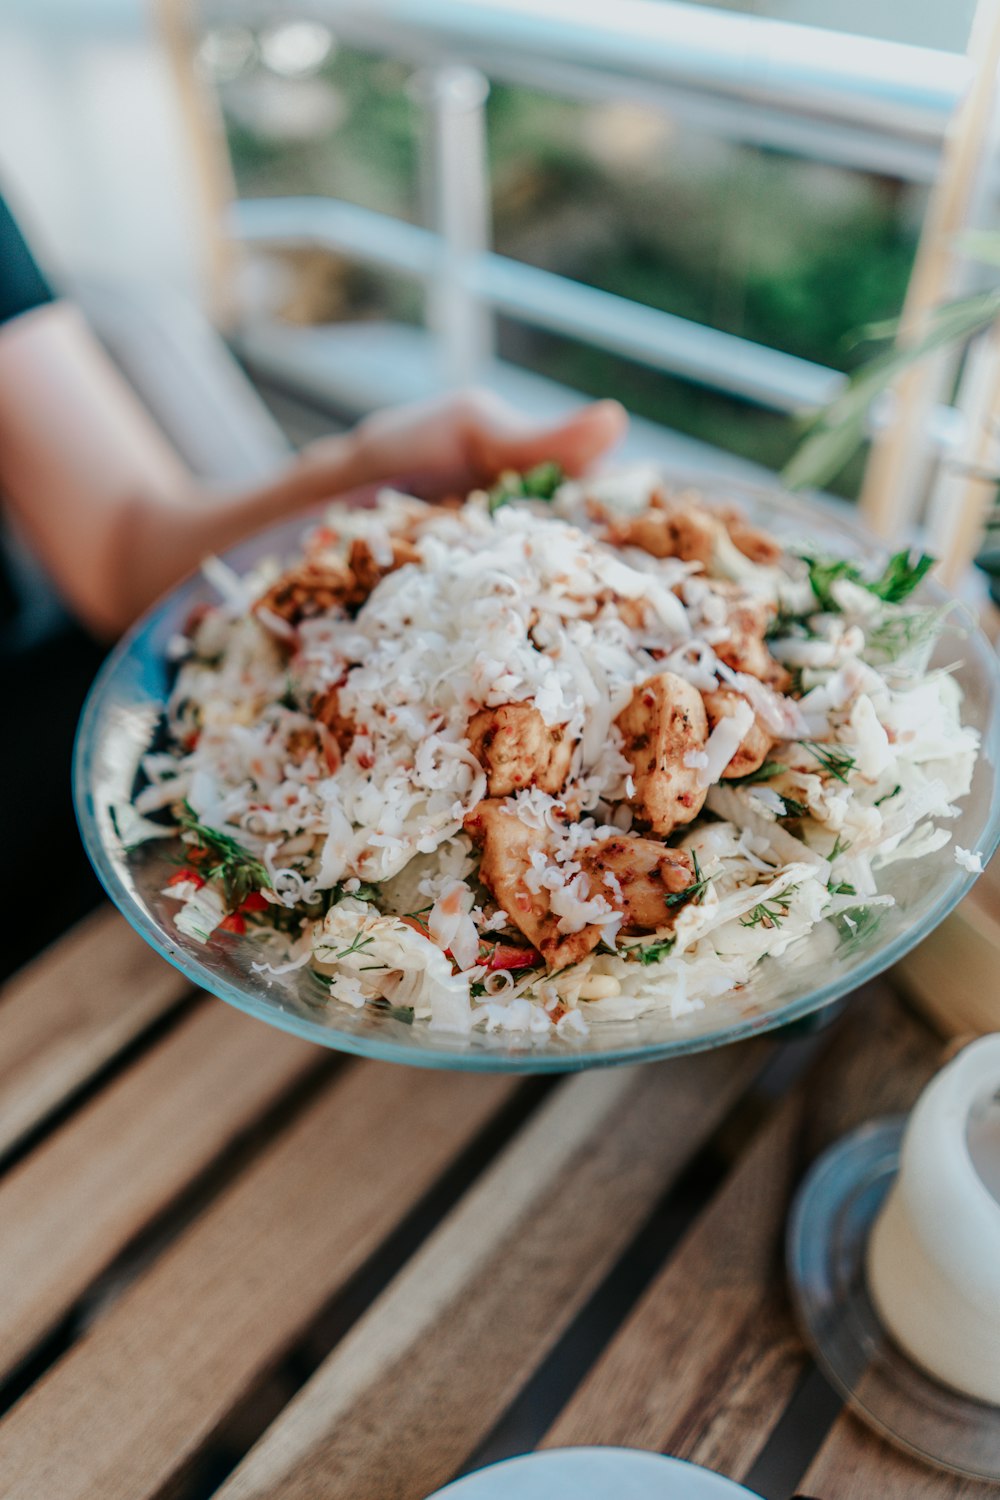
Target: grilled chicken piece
(746, 649)
(665, 721)
(643, 873)
(516, 748)
(326, 708)
(759, 546)
(368, 572)
(755, 745)
(312, 588)
(686, 531)
(507, 846)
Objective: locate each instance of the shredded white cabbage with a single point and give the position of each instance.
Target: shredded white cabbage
(359, 839)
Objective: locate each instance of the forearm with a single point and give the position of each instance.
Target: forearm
(158, 540)
(101, 495)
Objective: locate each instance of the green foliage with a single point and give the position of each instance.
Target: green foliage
(539, 483)
(765, 772)
(900, 576)
(839, 430)
(224, 859)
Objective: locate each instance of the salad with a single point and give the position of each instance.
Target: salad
(561, 750)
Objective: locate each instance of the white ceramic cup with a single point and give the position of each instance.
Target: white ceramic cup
(934, 1256)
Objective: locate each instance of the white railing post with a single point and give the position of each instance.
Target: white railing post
(457, 209)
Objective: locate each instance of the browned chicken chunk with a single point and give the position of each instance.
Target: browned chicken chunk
(642, 874)
(368, 573)
(507, 846)
(759, 546)
(683, 528)
(685, 531)
(755, 745)
(516, 749)
(746, 649)
(663, 723)
(310, 589)
(326, 708)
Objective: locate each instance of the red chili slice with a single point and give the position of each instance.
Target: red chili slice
(187, 874)
(233, 923)
(255, 902)
(510, 956)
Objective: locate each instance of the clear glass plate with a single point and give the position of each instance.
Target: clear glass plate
(121, 716)
(828, 1231)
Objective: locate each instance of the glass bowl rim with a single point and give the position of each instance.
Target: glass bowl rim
(511, 1060)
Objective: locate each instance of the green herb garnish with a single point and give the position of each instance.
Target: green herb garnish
(650, 953)
(901, 576)
(834, 758)
(225, 859)
(896, 582)
(888, 796)
(692, 892)
(840, 846)
(366, 891)
(766, 772)
(539, 483)
(843, 888)
(769, 913)
(793, 807)
(358, 945)
(857, 924)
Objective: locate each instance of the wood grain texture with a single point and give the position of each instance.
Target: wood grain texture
(425, 1375)
(65, 1015)
(137, 1397)
(706, 1363)
(71, 1206)
(855, 1464)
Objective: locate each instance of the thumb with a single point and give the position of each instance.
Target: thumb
(573, 444)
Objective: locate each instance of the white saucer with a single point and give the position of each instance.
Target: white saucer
(593, 1474)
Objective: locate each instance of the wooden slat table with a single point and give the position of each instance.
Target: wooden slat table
(233, 1265)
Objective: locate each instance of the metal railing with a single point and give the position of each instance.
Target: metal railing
(874, 105)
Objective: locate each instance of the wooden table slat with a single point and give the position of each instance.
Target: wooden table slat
(69, 1207)
(706, 1363)
(131, 1403)
(854, 1462)
(473, 1314)
(71, 1011)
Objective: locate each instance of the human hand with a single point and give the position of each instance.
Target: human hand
(452, 444)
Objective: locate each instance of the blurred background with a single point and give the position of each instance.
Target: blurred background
(685, 206)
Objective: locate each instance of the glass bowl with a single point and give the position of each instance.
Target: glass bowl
(121, 716)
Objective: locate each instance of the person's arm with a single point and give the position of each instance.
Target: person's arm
(117, 518)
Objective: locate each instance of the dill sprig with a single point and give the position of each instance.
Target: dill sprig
(650, 953)
(539, 483)
(834, 758)
(769, 913)
(692, 892)
(225, 859)
(793, 807)
(358, 945)
(900, 576)
(888, 796)
(766, 772)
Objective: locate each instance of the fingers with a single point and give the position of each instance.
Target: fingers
(576, 443)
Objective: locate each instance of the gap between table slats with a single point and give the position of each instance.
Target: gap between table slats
(67, 1014)
(855, 1464)
(427, 1372)
(71, 1206)
(133, 1403)
(709, 1358)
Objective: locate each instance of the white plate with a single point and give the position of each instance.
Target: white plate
(593, 1474)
